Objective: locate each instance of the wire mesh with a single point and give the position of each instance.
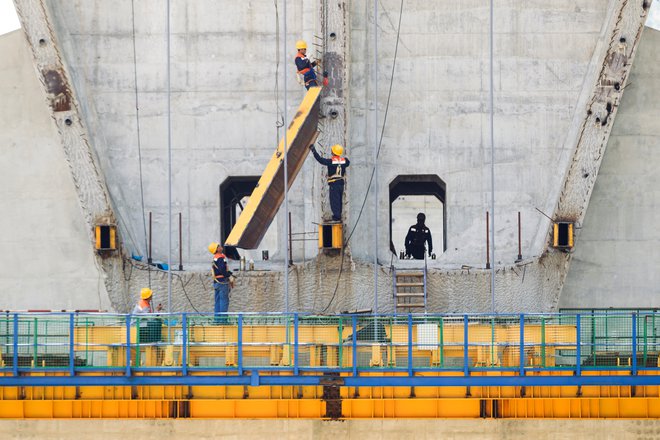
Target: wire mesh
(100, 341)
(606, 341)
(374, 344)
(494, 341)
(427, 344)
(212, 343)
(387, 342)
(321, 341)
(7, 340)
(43, 341)
(550, 341)
(648, 339)
(268, 341)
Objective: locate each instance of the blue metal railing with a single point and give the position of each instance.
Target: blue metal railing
(202, 349)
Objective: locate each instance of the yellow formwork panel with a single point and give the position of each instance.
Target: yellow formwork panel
(265, 200)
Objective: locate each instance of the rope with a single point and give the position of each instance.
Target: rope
(139, 144)
(183, 286)
(169, 166)
(286, 181)
(492, 167)
(364, 201)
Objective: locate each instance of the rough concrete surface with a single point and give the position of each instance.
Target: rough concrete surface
(422, 429)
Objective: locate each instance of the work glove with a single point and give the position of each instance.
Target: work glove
(311, 146)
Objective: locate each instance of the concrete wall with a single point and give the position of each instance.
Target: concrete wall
(617, 255)
(226, 101)
(225, 106)
(227, 98)
(47, 260)
(438, 119)
(317, 429)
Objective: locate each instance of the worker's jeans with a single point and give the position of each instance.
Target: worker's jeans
(336, 196)
(221, 301)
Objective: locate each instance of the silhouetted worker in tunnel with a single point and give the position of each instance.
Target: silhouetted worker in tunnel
(336, 173)
(418, 235)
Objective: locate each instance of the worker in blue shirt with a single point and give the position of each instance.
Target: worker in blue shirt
(336, 174)
(304, 66)
(221, 282)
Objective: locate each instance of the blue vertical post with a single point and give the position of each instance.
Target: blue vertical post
(128, 345)
(184, 344)
(634, 344)
(578, 350)
(354, 343)
(295, 344)
(240, 344)
(72, 365)
(466, 369)
(410, 345)
(522, 345)
(15, 362)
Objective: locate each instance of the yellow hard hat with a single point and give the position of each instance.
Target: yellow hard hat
(146, 293)
(301, 44)
(337, 150)
(213, 247)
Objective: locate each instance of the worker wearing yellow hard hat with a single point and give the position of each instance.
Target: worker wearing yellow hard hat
(305, 66)
(221, 282)
(144, 304)
(337, 165)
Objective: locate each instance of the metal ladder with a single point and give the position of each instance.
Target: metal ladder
(409, 288)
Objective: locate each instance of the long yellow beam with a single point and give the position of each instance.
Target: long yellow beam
(265, 200)
(355, 408)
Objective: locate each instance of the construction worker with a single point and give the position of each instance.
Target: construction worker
(336, 173)
(144, 305)
(418, 235)
(149, 328)
(221, 282)
(305, 67)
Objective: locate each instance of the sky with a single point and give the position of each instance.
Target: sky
(9, 20)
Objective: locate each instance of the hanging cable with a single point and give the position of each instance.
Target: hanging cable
(492, 166)
(380, 142)
(376, 152)
(183, 286)
(169, 173)
(286, 181)
(139, 145)
(279, 119)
